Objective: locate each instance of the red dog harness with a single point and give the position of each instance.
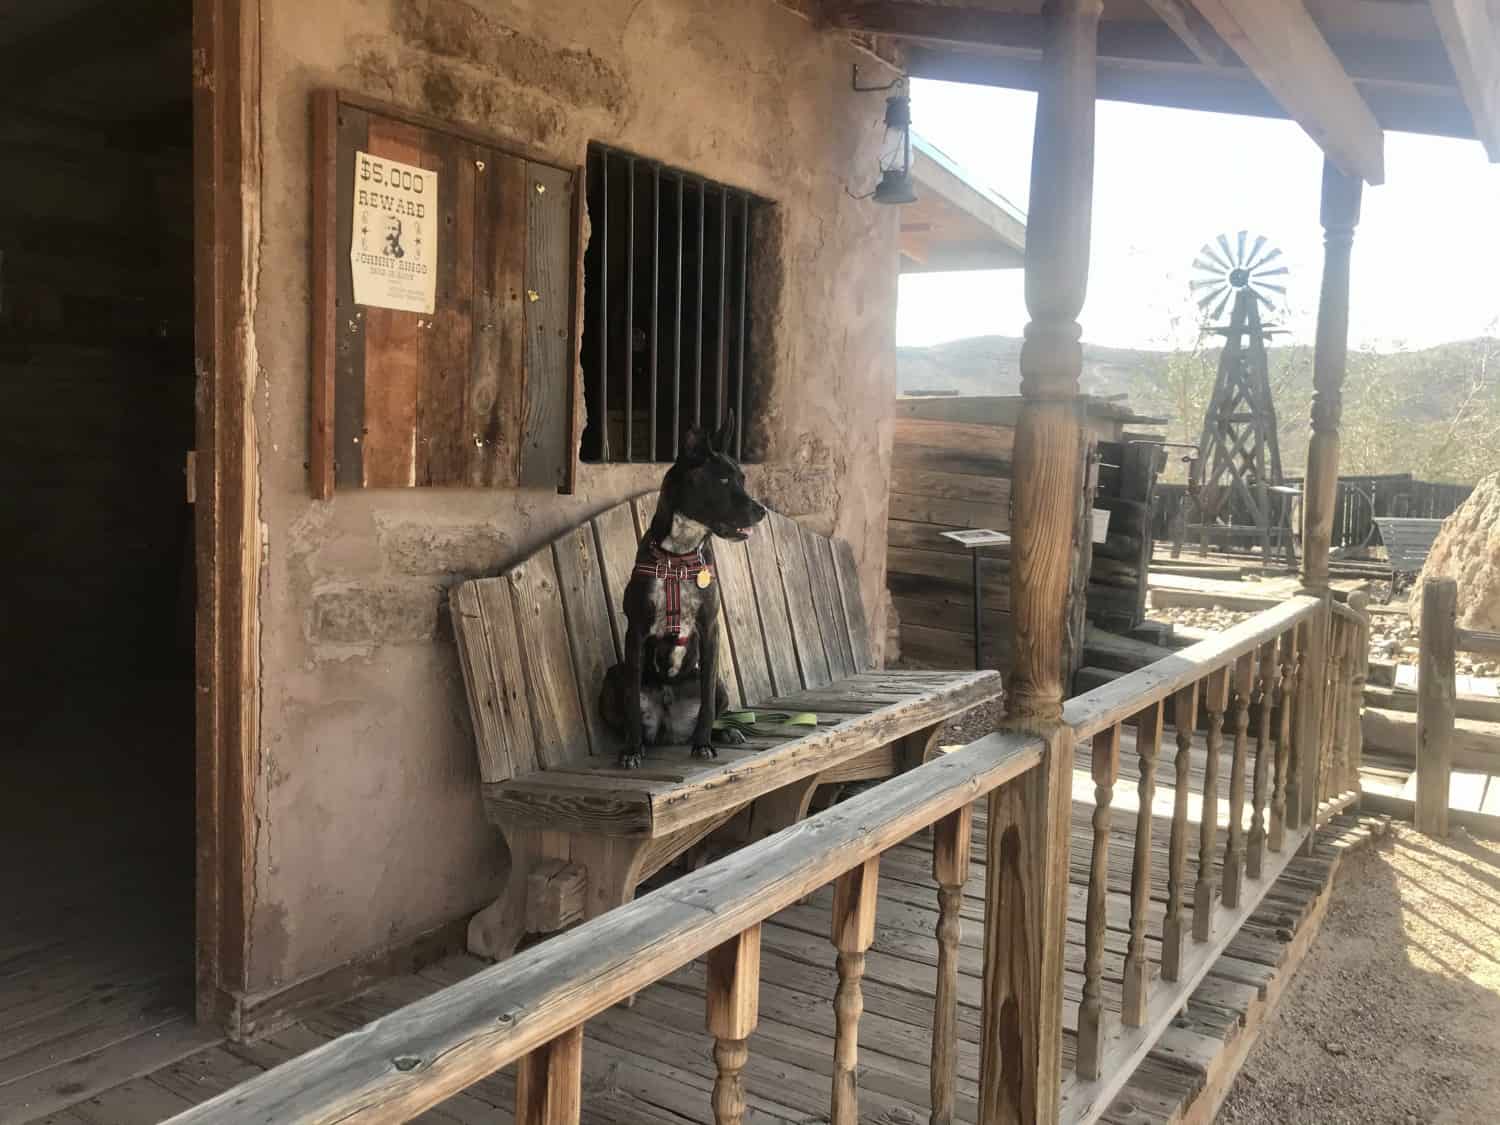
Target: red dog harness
(674, 571)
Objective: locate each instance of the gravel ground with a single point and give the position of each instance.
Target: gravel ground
(1393, 1016)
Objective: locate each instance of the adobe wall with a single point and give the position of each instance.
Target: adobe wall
(369, 829)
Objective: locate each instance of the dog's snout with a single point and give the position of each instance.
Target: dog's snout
(757, 511)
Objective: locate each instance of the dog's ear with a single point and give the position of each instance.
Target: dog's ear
(695, 445)
(723, 440)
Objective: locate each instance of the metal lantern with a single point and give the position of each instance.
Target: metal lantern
(895, 151)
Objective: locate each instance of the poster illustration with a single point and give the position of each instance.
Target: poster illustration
(393, 251)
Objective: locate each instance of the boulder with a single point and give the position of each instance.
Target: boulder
(1467, 549)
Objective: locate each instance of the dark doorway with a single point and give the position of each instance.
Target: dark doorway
(96, 391)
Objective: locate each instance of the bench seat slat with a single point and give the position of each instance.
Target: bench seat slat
(556, 707)
(590, 633)
(616, 802)
(797, 584)
(770, 602)
(742, 617)
(828, 604)
(854, 606)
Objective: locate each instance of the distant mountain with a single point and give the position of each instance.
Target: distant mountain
(991, 365)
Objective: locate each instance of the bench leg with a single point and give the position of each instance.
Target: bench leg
(496, 930)
(614, 866)
(920, 745)
(781, 809)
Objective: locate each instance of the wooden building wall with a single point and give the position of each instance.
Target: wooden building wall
(951, 469)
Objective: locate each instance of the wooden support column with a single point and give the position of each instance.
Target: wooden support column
(1025, 926)
(1048, 456)
(1436, 695)
(1340, 215)
(951, 838)
(549, 1082)
(733, 1008)
(854, 903)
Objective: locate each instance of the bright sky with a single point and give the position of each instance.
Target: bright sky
(1426, 254)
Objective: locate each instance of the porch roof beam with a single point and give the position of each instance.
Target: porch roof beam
(1471, 33)
(1280, 43)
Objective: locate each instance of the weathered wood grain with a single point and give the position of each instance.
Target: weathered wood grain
(614, 528)
(489, 650)
(549, 1082)
(321, 442)
(590, 632)
(1174, 927)
(556, 709)
(951, 842)
(742, 617)
(494, 407)
(1234, 850)
(770, 600)
(732, 1003)
(549, 326)
(347, 377)
(1436, 690)
(797, 585)
(444, 375)
(856, 897)
(1137, 978)
(1105, 770)
(1215, 701)
(854, 605)
(828, 605)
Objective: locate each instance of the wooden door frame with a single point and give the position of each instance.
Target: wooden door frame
(225, 69)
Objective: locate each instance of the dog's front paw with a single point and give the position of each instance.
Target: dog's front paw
(730, 736)
(705, 752)
(632, 758)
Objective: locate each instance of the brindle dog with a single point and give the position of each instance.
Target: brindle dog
(656, 695)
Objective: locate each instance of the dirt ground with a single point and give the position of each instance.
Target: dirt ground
(1394, 1015)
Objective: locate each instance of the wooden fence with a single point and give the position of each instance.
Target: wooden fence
(1249, 686)
(1437, 694)
(1358, 501)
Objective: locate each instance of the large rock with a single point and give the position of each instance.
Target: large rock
(1468, 549)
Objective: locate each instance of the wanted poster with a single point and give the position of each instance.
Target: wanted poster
(393, 251)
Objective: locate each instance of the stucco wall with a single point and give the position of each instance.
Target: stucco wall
(369, 829)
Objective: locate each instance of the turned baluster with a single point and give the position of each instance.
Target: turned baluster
(1286, 692)
(854, 903)
(1215, 699)
(1106, 771)
(549, 1082)
(1265, 694)
(1173, 928)
(1234, 850)
(1359, 661)
(1148, 726)
(950, 870)
(1332, 768)
(733, 1005)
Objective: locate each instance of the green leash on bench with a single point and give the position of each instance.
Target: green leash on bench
(765, 722)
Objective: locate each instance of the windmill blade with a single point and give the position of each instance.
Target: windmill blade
(1204, 302)
(1219, 308)
(1205, 282)
(1207, 251)
(1271, 257)
(1239, 257)
(1260, 241)
(1267, 285)
(1279, 270)
(1224, 245)
(1263, 299)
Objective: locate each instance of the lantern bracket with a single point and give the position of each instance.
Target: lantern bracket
(899, 80)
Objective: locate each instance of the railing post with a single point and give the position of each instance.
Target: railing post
(855, 898)
(951, 838)
(1215, 699)
(1105, 768)
(1234, 847)
(549, 1082)
(1137, 983)
(1025, 926)
(1436, 696)
(1311, 695)
(1173, 927)
(1265, 695)
(733, 1008)
(1358, 672)
(1286, 704)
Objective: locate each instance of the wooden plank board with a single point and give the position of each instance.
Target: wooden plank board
(346, 379)
(812, 661)
(930, 537)
(489, 651)
(950, 513)
(495, 403)
(828, 604)
(549, 316)
(742, 617)
(991, 490)
(590, 632)
(440, 446)
(395, 346)
(614, 529)
(854, 604)
(556, 711)
(770, 600)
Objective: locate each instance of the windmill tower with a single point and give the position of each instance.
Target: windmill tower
(1240, 455)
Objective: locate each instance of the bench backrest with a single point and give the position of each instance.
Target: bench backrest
(1408, 541)
(536, 641)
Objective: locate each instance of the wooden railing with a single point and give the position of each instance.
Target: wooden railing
(1437, 697)
(1245, 688)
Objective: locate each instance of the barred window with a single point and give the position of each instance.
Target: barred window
(666, 307)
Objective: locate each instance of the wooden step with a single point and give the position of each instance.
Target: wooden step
(1476, 744)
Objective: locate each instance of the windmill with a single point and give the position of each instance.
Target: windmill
(1240, 455)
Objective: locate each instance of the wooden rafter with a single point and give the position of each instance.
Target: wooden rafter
(1281, 44)
(1471, 33)
(1196, 35)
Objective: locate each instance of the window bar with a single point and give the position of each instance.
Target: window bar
(722, 312)
(655, 288)
(739, 387)
(677, 328)
(629, 309)
(702, 245)
(602, 422)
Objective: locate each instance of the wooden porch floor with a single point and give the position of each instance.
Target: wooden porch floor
(652, 1063)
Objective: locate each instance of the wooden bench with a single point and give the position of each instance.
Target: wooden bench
(1408, 541)
(535, 643)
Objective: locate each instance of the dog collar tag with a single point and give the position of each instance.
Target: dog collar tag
(705, 578)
